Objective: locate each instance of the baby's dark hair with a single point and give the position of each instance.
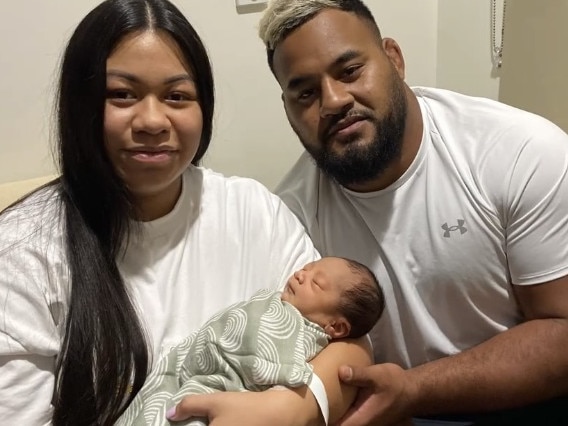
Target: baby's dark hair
(363, 303)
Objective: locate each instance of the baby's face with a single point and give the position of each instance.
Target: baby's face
(316, 289)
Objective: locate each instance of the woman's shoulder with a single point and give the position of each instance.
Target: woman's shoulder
(236, 188)
(37, 216)
(229, 181)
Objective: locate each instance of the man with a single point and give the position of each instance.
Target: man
(458, 204)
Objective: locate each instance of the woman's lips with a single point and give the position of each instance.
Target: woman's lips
(151, 156)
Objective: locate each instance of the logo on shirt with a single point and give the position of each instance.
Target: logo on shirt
(449, 229)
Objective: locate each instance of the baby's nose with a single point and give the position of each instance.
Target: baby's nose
(299, 275)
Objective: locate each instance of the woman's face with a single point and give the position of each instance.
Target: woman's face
(153, 120)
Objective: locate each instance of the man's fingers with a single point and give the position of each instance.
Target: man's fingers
(356, 376)
(360, 413)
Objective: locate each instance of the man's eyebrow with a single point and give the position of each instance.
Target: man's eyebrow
(134, 79)
(346, 56)
(296, 82)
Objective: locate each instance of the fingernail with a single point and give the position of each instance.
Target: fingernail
(347, 373)
(171, 413)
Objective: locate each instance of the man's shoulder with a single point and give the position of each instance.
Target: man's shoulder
(476, 108)
(437, 98)
(299, 189)
(450, 114)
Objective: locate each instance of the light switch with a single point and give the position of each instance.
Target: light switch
(250, 2)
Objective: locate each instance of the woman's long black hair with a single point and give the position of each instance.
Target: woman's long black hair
(104, 350)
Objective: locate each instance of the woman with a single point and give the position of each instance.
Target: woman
(105, 268)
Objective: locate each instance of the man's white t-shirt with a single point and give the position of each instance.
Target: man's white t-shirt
(225, 239)
(484, 205)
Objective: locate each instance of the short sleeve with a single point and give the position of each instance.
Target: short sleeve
(536, 208)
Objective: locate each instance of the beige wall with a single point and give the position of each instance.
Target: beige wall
(464, 48)
(535, 58)
(252, 136)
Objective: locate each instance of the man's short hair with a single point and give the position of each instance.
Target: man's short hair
(284, 16)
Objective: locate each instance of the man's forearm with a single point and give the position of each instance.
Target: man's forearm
(525, 364)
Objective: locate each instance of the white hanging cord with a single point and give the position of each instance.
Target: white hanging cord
(497, 48)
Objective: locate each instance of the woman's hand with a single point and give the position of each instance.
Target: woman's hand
(282, 407)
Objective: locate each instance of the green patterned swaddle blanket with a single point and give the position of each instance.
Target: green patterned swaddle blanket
(251, 345)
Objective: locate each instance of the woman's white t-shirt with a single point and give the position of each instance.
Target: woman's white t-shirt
(225, 239)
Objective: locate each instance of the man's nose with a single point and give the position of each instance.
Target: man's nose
(335, 97)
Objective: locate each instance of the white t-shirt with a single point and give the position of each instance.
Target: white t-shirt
(225, 239)
(483, 205)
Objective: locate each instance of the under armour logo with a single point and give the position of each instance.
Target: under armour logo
(449, 229)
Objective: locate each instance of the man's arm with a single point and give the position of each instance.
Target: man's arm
(284, 407)
(523, 365)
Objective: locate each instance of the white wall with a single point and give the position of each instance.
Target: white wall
(252, 136)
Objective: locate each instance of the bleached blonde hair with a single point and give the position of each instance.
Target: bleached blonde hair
(284, 16)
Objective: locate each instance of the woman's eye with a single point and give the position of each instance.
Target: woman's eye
(177, 97)
(120, 95)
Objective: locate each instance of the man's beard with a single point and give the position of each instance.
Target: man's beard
(358, 164)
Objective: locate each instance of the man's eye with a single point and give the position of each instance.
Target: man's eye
(305, 94)
(351, 71)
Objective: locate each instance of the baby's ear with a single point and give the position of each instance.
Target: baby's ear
(338, 328)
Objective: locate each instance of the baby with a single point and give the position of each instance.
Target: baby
(340, 295)
(265, 341)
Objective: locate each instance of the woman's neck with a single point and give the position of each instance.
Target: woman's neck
(156, 205)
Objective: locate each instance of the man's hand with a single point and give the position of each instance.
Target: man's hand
(384, 397)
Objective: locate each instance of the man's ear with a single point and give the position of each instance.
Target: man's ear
(393, 52)
(338, 328)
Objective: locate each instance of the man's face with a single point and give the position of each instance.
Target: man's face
(343, 95)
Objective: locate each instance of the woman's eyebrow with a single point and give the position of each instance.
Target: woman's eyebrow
(176, 78)
(134, 79)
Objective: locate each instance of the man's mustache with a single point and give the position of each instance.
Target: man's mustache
(341, 121)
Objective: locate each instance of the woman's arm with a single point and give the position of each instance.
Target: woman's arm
(26, 389)
(33, 302)
(287, 407)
